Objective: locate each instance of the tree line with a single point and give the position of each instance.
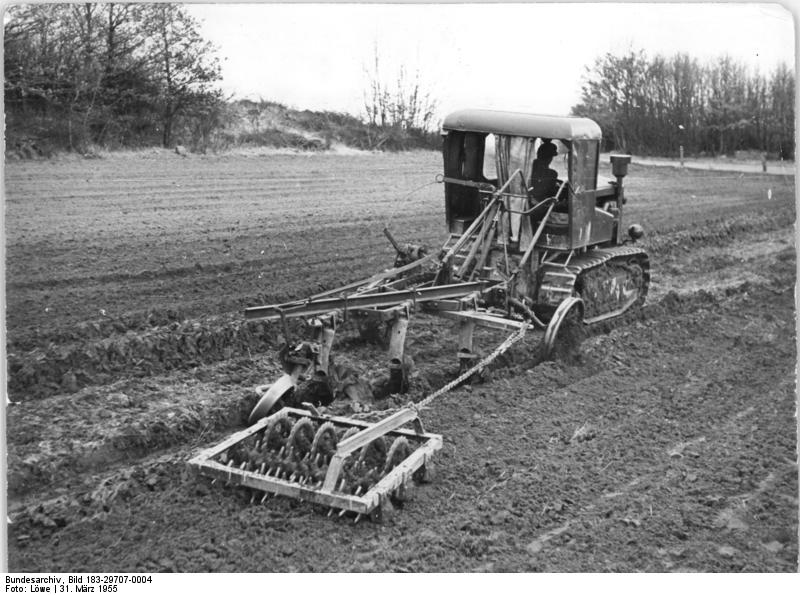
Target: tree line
(107, 73)
(132, 75)
(118, 75)
(401, 113)
(653, 105)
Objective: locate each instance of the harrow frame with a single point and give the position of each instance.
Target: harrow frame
(368, 503)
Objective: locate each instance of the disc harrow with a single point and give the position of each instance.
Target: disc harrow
(341, 463)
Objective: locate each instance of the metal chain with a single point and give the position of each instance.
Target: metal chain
(413, 190)
(502, 348)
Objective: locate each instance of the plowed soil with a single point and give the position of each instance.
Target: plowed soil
(665, 442)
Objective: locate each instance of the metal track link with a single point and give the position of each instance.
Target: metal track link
(583, 277)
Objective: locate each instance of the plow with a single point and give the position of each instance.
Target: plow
(532, 248)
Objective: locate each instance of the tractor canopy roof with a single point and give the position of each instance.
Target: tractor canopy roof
(520, 124)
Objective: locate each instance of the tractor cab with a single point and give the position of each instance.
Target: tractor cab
(531, 161)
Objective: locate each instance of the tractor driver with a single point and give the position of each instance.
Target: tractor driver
(544, 180)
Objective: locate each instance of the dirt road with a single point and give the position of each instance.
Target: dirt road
(721, 164)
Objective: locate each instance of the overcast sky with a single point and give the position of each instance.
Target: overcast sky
(503, 56)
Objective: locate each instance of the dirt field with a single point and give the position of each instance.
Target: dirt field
(667, 443)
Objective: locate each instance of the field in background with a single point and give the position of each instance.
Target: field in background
(94, 240)
(127, 352)
(748, 165)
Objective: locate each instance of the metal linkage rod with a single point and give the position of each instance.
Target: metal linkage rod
(355, 286)
(373, 300)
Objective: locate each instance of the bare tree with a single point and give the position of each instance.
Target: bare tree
(183, 60)
(77, 74)
(402, 106)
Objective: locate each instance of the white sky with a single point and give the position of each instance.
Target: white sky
(505, 56)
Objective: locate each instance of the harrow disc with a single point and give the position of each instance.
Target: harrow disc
(373, 455)
(277, 432)
(347, 434)
(325, 441)
(255, 453)
(348, 477)
(233, 455)
(398, 452)
(301, 438)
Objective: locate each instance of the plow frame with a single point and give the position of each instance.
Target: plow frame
(367, 503)
(382, 294)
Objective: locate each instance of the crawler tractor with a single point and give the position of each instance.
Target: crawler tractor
(533, 244)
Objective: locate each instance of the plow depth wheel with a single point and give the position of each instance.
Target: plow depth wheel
(567, 317)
